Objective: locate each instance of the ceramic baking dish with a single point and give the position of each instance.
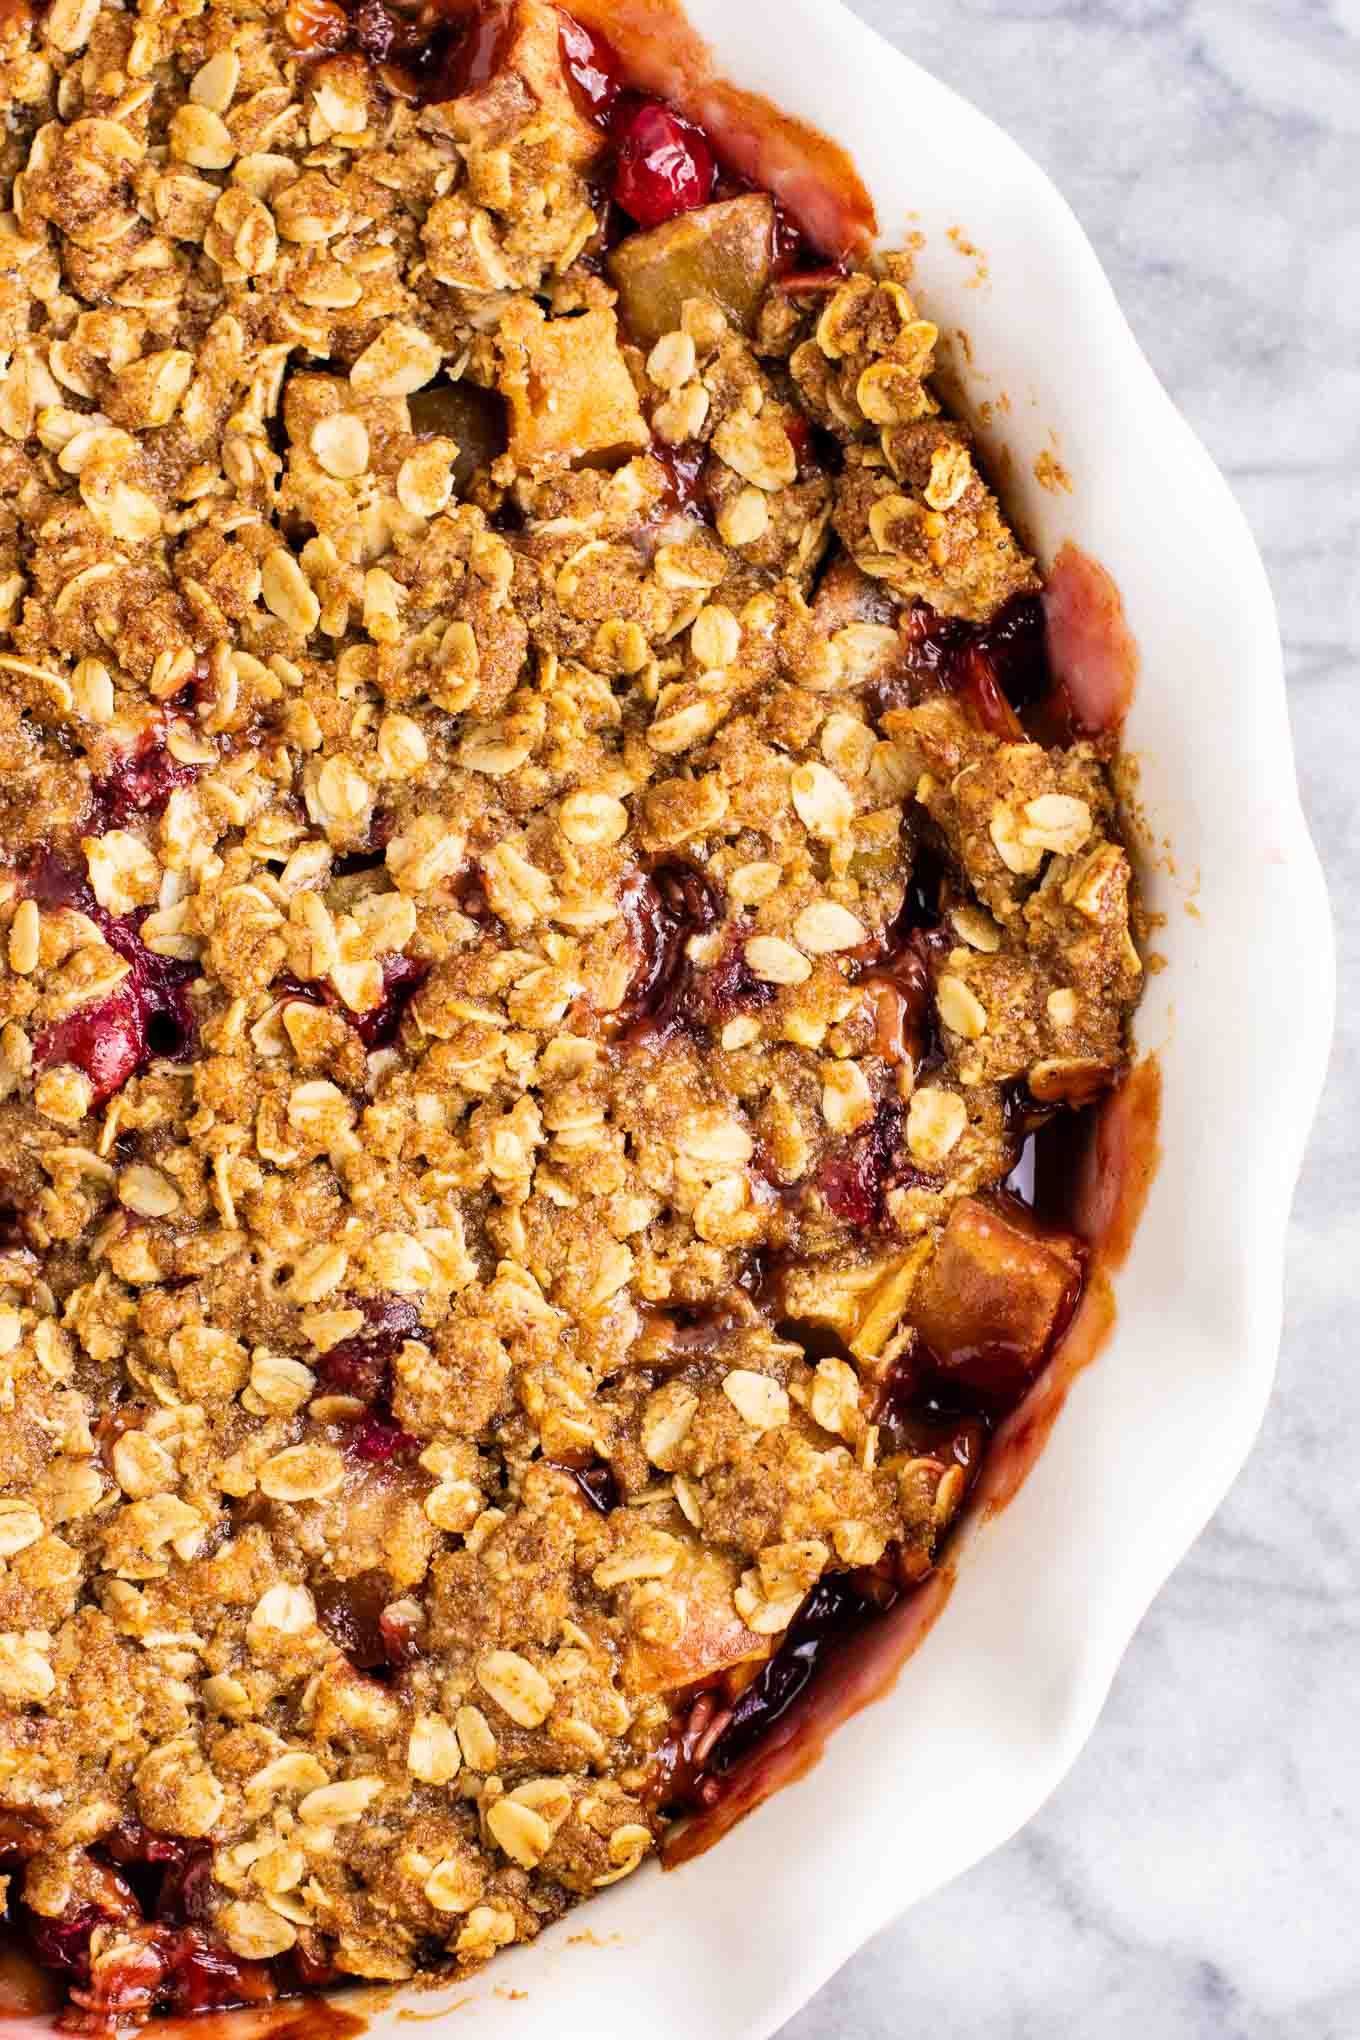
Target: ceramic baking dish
(989, 1713)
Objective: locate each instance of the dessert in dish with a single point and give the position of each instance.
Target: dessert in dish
(545, 883)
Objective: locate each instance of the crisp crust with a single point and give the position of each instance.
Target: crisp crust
(511, 864)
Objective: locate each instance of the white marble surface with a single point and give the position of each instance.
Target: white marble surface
(1197, 1877)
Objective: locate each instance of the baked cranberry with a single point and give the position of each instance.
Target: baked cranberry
(998, 668)
(54, 881)
(378, 1438)
(150, 1012)
(132, 1842)
(361, 1365)
(669, 994)
(917, 1423)
(855, 1182)
(730, 986)
(664, 165)
(359, 1615)
(138, 783)
(684, 466)
(64, 1945)
(204, 1977)
(592, 65)
(377, 30)
(476, 56)
(349, 1611)
(663, 909)
(107, 1040)
(186, 1895)
(124, 1987)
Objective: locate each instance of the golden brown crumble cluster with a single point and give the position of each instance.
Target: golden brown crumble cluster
(455, 972)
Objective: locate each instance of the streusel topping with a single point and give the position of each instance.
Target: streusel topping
(532, 935)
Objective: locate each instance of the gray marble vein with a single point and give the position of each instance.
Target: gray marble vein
(1197, 1877)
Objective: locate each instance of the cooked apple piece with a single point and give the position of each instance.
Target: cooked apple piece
(862, 1301)
(720, 251)
(571, 397)
(660, 1656)
(473, 418)
(526, 76)
(994, 1295)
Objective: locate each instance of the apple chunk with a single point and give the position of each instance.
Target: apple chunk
(522, 75)
(567, 384)
(721, 251)
(713, 1636)
(993, 1297)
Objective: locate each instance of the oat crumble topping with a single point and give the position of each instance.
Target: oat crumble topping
(532, 933)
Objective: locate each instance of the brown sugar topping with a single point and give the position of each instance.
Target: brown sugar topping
(535, 922)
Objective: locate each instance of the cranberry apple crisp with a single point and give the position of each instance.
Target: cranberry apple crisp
(544, 884)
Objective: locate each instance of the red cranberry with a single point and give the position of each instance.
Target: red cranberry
(663, 909)
(133, 1842)
(123, 1989)
(998, 668)
(106, 1040)
(731, 986)
(684, 466)
(378, 1438)
(149, 1014)
(201, 1976)
(665, 165)
(64, 1945)
(856, 1181)
(186, 1895)
(53, 881)
(476, 57)
(379, 1026)
(359, 1616)
(361, 1365)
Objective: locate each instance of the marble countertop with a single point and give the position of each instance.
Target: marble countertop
(1197, 1877)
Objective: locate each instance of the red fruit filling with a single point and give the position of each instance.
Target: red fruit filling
(838, 1608)
(402, 978)
(596, 1483)
(665, 165)
(378, 1438)
(1000, 668)
(855, 1182)
(670, 994)
(356, 1615)
(684, 467)
(64, 1945)
(138, 783)
(592, 64)
(149, 1014)
(361, 1365)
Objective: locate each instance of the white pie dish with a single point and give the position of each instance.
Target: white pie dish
(985, 1719)
(990, 1713)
